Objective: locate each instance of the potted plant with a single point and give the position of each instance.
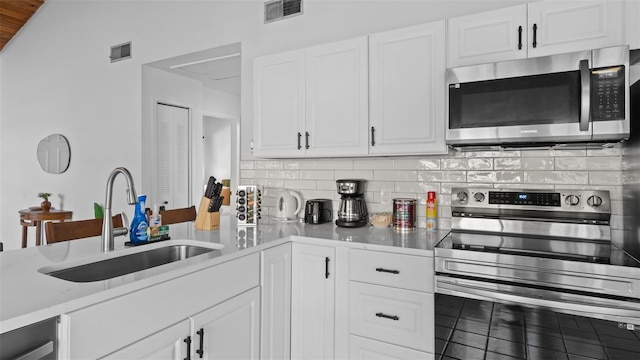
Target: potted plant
(45, 205)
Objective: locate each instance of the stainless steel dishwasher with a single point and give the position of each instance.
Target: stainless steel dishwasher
(37, 341)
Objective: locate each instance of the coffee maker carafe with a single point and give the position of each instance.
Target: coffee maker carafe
(353, 210)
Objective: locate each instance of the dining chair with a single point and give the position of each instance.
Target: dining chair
(72, 230)
(180, 215)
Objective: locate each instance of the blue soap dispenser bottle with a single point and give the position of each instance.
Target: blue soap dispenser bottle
(139, 224)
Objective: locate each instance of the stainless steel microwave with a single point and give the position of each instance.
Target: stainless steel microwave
(567, 98)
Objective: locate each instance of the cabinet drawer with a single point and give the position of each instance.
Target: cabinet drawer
(361, 348)
(102, 328)
(396, 316)
(397, 270)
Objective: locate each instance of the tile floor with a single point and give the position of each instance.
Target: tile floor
(468, 329)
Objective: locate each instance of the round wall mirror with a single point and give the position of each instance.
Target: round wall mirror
(54, 154)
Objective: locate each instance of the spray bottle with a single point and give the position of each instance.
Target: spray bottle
(139, 224)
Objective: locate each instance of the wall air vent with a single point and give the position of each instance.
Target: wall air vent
(275, 10)
(121, 52)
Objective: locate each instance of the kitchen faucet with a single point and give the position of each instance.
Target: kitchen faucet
(107, 223)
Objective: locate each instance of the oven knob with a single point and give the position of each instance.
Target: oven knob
(479, 197)
(572, 200)
(594, 201)
(462, 196)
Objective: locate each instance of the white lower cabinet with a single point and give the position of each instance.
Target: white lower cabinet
(171, 343)
(391, 306)
(275, 282)
(397, 316)
(312, 301)
(363, 348)
(229, 330)
(126, 323)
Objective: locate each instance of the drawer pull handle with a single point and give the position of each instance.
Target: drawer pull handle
(188, 342)
(387, 271)
(391, 317)
(326, 267)
(201, 350)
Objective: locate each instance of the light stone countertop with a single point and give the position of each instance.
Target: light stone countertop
(28, 296)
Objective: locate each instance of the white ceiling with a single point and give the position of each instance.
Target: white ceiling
(217, 68)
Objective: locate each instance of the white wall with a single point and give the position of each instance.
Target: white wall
(217, 147)
(55, 77)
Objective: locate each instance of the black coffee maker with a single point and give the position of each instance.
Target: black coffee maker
(353, 210)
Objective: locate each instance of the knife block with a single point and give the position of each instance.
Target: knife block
(206, 220)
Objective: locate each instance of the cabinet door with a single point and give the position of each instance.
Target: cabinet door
(567, 26)
(275, 334)
(229, 330)
(407, 90)
(362, 348)
(632, 25)
(487, 37)
(337, 98)
(166, 344)
(312, 302)
(278, 100)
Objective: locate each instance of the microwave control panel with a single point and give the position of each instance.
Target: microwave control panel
(608, 94)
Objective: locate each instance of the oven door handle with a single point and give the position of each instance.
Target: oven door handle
(585, 98)
(447, 287)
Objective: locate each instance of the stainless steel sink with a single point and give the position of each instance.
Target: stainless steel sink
(127, 264)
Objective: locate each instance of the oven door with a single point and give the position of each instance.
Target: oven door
(483, 320)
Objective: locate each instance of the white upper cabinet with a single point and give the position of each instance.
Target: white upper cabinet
(535, 29)
(278, 100)
(488, 37)
(407, 68)
(312, 102)
(558, 26)
(632, 31)
(337, 99)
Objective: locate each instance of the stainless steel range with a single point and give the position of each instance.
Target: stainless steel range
(534, 274)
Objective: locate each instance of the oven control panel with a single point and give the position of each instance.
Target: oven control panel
(596, 201)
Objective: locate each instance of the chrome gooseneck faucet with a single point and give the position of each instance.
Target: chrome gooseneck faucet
(107, 223)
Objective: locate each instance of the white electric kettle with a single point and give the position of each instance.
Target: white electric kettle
(288, 205)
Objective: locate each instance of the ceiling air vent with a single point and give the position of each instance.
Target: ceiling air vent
(121, 52)
(275, 10)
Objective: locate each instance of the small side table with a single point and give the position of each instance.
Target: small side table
(29, 217)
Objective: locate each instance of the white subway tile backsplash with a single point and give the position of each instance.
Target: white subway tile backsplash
(330, 164)
(274, 174)
(326, 185)
(353, 174)
(556, 177)
(416, 187)
(395, 175)
(373, 164)
(299, 184)
(417, 164)
(300, 164)
(467, 164)
(492, 154)
(246, 165)
(442, 176)
(495, 176)
(413, 176)
(603, 163)
(605, 177)
(269, 164)
(317, 175)
(261, 174)
(571, 163)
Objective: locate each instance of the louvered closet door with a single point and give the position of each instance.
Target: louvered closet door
(173, 158)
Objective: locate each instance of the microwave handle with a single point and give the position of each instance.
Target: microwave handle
(585, 82)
